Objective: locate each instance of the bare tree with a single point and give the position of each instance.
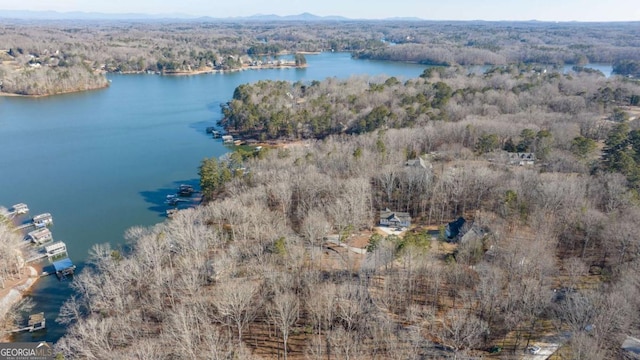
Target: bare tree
(462, 330)
(314, 227)
(284, 311)
(236, 304)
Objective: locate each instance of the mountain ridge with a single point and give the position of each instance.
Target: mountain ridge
(81, 15)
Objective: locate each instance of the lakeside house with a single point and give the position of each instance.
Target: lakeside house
(394, 219)
(227, 139)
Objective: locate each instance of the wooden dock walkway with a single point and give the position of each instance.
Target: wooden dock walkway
(36, 258)
(24, 226)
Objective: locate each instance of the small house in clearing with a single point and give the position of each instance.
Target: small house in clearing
(394, 219)
(418, 163)
(522, 159)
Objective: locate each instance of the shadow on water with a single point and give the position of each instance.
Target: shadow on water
(201, 127)
(215, 106)
(157, 198)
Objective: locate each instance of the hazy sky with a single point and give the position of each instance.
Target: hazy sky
(550, 10)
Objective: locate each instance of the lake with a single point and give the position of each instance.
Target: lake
(103, 161)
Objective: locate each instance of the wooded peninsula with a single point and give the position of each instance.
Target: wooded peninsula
(52, 57)
(455, 215)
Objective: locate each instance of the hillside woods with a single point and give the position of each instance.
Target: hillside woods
(250, 274)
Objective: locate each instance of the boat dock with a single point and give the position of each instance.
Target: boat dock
(42, 220)
(36, 322)
(64, 268)
(38, 221)
(55, 249)
(17, 209)
(40, 236)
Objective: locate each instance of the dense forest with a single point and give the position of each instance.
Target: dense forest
(50, 57)
(479, 43)
(285, 260)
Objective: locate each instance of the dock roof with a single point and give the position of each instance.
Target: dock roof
(62, 264)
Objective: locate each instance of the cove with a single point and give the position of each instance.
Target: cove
(103, 161)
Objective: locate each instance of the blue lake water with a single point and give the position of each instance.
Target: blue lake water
(103, 161)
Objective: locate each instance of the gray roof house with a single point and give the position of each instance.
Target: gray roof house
(631, 348)
(394, 219)
(419, 162)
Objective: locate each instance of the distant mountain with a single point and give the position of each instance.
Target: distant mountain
(300, 17)
(409, 18)
(78, 15)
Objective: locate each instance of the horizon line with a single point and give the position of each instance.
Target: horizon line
(184, 16)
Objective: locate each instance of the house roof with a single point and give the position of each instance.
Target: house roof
(419, 162)
(455, 226)
(392, 215)
(522, 156)
(39, 233)
(632, 345)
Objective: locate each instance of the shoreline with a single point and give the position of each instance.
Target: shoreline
(5, 94)
(16, 293)
(212, 71)
(177, 73)
(247, 67)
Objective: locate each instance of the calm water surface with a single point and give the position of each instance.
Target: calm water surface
(103, 161)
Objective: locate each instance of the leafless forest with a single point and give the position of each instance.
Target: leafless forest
(9, 261)
(271, 266)
(284, 260)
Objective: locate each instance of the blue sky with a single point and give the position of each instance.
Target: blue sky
(548, 10)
